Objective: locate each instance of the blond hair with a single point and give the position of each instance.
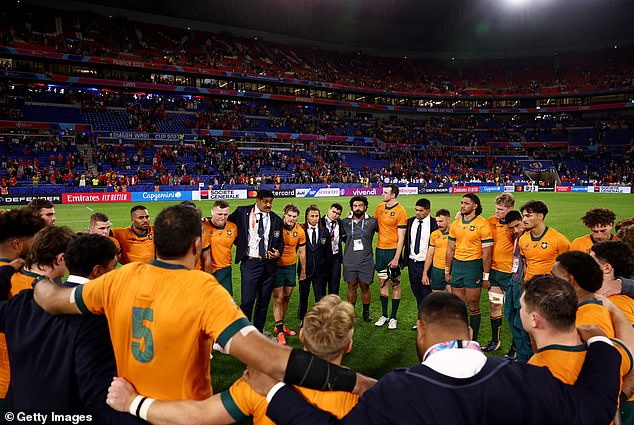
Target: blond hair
(328, 327)
(505, 199)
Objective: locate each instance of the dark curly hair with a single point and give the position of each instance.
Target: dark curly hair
(598, 217)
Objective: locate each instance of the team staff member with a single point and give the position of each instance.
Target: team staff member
(44, 209)
(469, 257)
(79, 359)
(318, 248)
(164, 315)
(419, 229)
(539, 245)
(259, 245)
(392, 220)
(17, 231)
(294, 243)
(453, 370)
(501, 265)
(358, 258)
(219, 236)
(332, 221)
(136, 241)
(599, 221)
(327, 333)
(434, 272)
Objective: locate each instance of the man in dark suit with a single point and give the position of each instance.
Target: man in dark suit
(453, 371)
(318, 250)
(419, 228)
(79, 361)
(332, 223)
(258, 247)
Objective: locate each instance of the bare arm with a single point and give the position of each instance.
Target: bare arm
(302, 262)
(451, 249)
(428, 262)
(177, 412)
(54, 299)
(623, 330)
(486, 265)
(205, 260)
(399, 247)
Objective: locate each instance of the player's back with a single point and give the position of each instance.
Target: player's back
(162, 318)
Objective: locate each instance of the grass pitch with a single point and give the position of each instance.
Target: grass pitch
(375, 351)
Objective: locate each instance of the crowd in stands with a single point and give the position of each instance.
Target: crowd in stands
(116, 37)
(219, 161)
(430, 150)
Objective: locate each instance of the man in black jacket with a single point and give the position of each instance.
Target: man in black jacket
(419, 228)
(318, 250)
(258, 247)
(332, 223)
(63, 363)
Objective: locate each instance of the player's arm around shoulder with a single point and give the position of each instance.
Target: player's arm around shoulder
(55, 299)
(122, 397)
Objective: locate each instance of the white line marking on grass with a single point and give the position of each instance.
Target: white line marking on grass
(90, 209)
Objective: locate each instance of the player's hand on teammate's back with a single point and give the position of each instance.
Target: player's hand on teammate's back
(120, 394)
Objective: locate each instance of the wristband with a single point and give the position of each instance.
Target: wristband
(599, 338)
(485, 276)
(144, 406)
(135, 404)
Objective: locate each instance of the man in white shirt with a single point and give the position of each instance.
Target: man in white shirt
(259, 244)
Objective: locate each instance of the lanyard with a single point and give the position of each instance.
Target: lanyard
(448, 345)
(352, 228)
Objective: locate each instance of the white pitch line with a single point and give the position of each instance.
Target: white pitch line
(90, 209)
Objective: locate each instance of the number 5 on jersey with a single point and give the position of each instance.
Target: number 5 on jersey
(141, 332)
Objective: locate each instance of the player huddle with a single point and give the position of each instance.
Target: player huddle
(153, 321)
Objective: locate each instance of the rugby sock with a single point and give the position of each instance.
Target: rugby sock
(474, 322)
(383, 305)
(496, 326)
(279, 325)
(366, 308)
(395, 304)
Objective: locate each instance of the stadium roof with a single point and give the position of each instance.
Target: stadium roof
(475, 26)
